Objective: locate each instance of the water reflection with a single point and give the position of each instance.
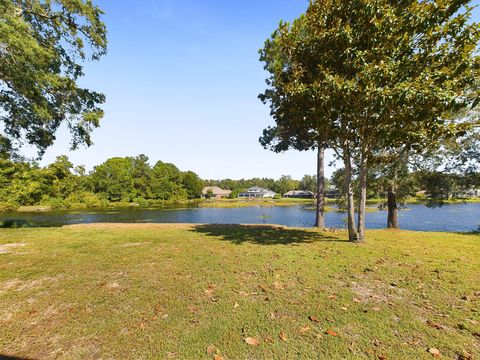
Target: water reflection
(458, 217)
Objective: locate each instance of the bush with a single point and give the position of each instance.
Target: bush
(6, 206)
(54, 203)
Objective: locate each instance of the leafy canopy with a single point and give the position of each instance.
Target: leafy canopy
(43, 44)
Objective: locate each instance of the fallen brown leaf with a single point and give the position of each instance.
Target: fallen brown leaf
(313, 318)
(235, 306)
(268, 339)
(434, 325)
(435, 352)
(263, 288)
(210, 349)
(218, 357)
(331, 332)
(304, 329)
(210, 290)
(282, 336)
(465, 356)
(252, 341)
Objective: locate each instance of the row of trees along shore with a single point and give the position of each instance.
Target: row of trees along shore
(118, 180)
(378, 82)
(133, 180)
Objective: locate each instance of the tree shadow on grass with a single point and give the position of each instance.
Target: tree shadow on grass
(7, 357)
(264, 234)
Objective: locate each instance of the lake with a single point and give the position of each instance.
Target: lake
(456, 217)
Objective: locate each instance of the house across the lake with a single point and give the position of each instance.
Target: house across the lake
(299, 194)
(257, 192)
(332, 193)
(215, 192)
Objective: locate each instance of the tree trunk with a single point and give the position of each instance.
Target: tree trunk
(392, 219)
(352, 228)
(320, 209)
(362, 203)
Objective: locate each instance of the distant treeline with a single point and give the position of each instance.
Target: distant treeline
(437, 185)
(280, 186)
(132, 180)
(117, 180)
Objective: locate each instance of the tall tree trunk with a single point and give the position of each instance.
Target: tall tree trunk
(362, 203)
(352, 228)
(392, 218)
(320, 210)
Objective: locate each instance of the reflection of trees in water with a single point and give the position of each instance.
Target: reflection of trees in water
(434, 203)
(384, 206)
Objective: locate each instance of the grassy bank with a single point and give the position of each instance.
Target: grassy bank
(193, 292)
(216, 203)
(236, 203)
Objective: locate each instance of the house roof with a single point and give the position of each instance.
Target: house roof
(258, 189)
(298, 192)
(215, 190)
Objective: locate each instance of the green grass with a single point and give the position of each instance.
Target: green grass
(171, 291)
(264, 202)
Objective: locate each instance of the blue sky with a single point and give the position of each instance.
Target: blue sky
(182, 79)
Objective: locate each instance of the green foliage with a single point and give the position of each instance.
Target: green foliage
(193, 184)
(127, 180)
(366, 76)
(166, 183)
(43, 47)
(114, 179)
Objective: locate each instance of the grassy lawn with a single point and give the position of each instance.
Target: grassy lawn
(196, 292)
(265, 202)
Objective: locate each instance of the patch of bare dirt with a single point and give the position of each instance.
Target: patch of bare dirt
(10, 248)
(376, 292)
(21, 285)
(134, 244)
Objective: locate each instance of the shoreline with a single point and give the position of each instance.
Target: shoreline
(225, 203)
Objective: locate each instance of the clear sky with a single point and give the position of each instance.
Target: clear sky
(182, 79)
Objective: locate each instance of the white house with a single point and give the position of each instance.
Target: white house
(257, 192)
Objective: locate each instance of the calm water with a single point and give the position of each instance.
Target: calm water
(462, 217)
